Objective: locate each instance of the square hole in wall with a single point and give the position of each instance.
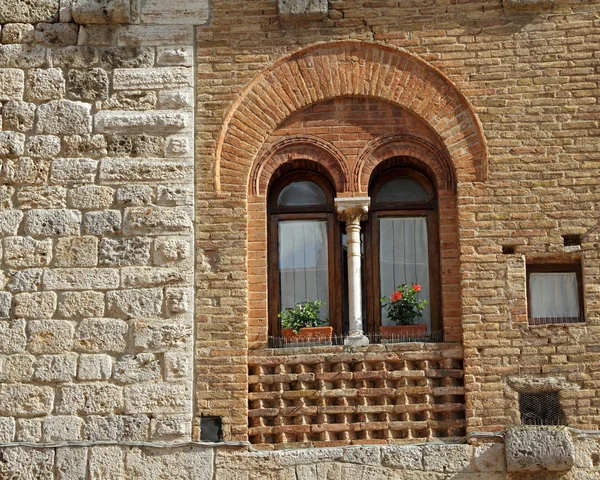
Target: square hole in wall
(211, 429)
(541, 408)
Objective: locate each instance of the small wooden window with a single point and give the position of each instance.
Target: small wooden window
(554, 293)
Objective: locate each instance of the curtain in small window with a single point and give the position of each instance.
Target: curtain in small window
(303, 263)
(553, 295)
(404, 258)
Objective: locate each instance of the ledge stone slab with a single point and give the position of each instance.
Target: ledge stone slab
(539, 449)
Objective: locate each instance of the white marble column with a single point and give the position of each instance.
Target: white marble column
(352, 211)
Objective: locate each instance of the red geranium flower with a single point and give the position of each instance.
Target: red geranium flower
(416, 288)
(396, 296)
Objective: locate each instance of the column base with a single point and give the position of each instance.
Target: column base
(356, 340)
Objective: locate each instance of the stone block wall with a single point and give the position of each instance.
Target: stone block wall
(96, 212)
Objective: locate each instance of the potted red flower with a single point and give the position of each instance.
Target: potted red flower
(302, 323)
(403, 308)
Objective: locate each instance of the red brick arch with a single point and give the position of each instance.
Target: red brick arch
(347, 68)
(299, 148)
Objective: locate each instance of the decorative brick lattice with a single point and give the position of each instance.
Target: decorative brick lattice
(380, 395)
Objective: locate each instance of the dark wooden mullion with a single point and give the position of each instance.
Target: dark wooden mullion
(335, 276)
(435, 290)
(273, 275)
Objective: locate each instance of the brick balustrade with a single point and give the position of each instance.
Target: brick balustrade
(326, 396)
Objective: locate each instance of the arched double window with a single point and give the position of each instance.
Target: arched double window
(303, 241)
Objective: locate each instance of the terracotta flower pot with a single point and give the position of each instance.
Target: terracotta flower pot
(403, 332)
(308, 334)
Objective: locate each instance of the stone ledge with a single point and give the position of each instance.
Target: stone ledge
(534, 449)
(527, 5)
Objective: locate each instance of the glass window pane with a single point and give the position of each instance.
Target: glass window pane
(402, 189)
(301, 193)
(554, 295)
(303, 263)
(404, 259)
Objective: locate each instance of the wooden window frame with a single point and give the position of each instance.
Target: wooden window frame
(326, 212)
(555, 268)
(428, 210)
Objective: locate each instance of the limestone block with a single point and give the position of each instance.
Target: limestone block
(180, 56)
(52, 222)
(143, 122)
(143, 367)
(26, 171)
(117, 427)
(159, 336)
(101, 11)
(172, 250)
(156, 220)
(24, 280)
(152, 78)
(447, 458)
(80, 279)
(127, 57)
(42, 197)
(158, 398)
(363, 455)
(159, 35)
(135, 145)
(146, 277)
(12, 84)
(49, 336)
(5, 301)
(33, 11)
(175, 195)
(170, 428)
(12, 336)
(55, 368)
(76, 252)
(175, 99)
(177, 146)
(61, 428)
(42, 146)
(98, 35)
(56, 35)
(12, 144)
(35, 305)
(490, 457)
(23, 252)
(64, 117)
(302, 10)
(91, 197)
(190, 12)
(74, 57)
(177, 366)
(17, 33)
(85, 146)
(101, 335)
(65, 12)
(105, 222)
(134, 195)
(106, 462)
(22, 56)
(125, 251)
(178, 301)
(67, 171)
(71, 463)
(93, 399)
(21, 463)
(196, 463)
(29, 430)
(145, 303)
(6, 194)
(7, 429)
(18, 116)
(527, 5)
(25, 400)
(131, 100)
(19, 368)
(81, 304)
(91, 84)
(45, 84)
(539, 449)
(95, 367)
(119, 170)
(9, 222)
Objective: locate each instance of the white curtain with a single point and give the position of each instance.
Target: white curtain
(554, 295)
(303, 263)
(404, 258)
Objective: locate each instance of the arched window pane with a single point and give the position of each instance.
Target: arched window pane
(301, 193)
(303, 263)
(402, 189)
(404, 259)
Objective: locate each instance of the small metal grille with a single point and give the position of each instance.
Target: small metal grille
(541, 408)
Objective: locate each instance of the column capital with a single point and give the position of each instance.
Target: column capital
(352, 209)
